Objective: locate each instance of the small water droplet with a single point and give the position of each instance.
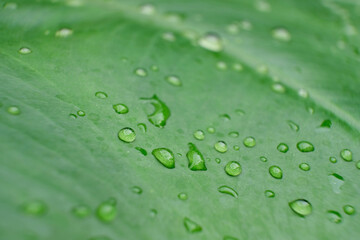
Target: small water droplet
(336, 181)
(236, 147)
(232, 28)
(10, 6)
(303, 93)
(106, 211)
(262, 69)
(233, 168)
(25, 50)
(228, 190)
(234, 134)
(210, 130)
(221, 65)
(211, 42)
(137, 190)
(182, 196)
(13, 110)
(141, 72)
(101, 95)
(281, 34)
(127, 135)
(310, 110)
(165, 157)
(195, 158)
(301, 207)
(147, 9)
(141, 150)
(191, 226)
(304, 166)
(221, 147)
(34, 208)
(276, 172)
(278, 87)
(332, 159)
(282, 147)
(199, 135)
(161, 112)
(218, 160)
(173, 80)
(346, 155)
(269, 194)
(120, 108)
(326, 123)
(72, 116)
(357, 164)
(334, 216)
(262, 6)
(293, 126)
(348, 209)
(249, 142)
(64, 33)
(142, 127)
(81, 211)
(238, 67)
(154, 68)
(81, 113)
(263, 159)
(169, 36)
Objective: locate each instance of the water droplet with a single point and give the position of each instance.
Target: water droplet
(228, 190)
(281, 34)
(182, 196)
(13, 110)
(357, 164)
(310, 110)
(334, 216)
(199, 135)
(305, 146)
(81, 211)
(25, 50)
(221, 147)
(282, 147)
(332, 159)
(269, 194)
(72, 116)
(35, 208)
(10, 6)
(169, 36)
(137, 190)
(346, 155)
(218, 160)
(210, 130)
(81, 113)
(234, 134)
(211, 42)
(232, 28)
(127, 135)
(278, 87)
(225, 117)
(336, 181)
(262, 69)
(64, 33)
(263, 159)
(101, 95)
(249, 142)
(303, 93)
(221, 65)
(120, 108)
(161, 112)
(236, 147)
(233, 168)
(195, 158)
(147, 9)
(304, 166)
(238, 67)
(191, 226)
(141, 150)
(154, 68)
(165, 157)
(293, 126)
(301, 207)
(153, 213)
(262, 6)
(276, 172)
(173, 80)
(142, 127)
(326, 123)
(141, 72)
(106, 211)
(348, 209)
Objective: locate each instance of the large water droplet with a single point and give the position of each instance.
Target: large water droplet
(334, 216)
(191, 226)
(195, 158)
(120, 108)
(281, 34)
(199, 135)
(106, 211)
(228, 190)
(64, 33)
(293, 126)
(161, 112)
(127, 135)
(25, 50)
(141, 72)
(221, 147)
(305, 146)
(233, 168)
(304, 166)
(182, 196)
(13, 110)
(165, 157)
(348, 209)
(101, 95)
(173, 80)
(276, 172)
(301, 207)
(81, 211)
(326, 123)
(269, 194)
(282, 147)
(346, 155)
(35, 208)
(336, 181)
(211, 42)
(249, 142)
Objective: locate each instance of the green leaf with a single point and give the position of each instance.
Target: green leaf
(276, 83)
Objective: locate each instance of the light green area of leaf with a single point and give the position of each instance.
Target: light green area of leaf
(309, 72)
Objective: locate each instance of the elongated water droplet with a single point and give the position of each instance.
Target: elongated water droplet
(101, 95)
(211, 42)
(246, 25)
(142, 127)
(72, 116)
(334, 216)
(25, 50)
(278, 87)
(281, 34)
(182, 196)
(106, 211)
(199, 135)
(282, 147)
(263, 159)
(221, 147)
(127, 135)
(225, 117)
(137, 190)
(210, 130)
(191, 226)
(336, 181)
(332, 159)
(305, 146)
(233, 168)
(234, 134)
(141, 72)
(269, 194)
(195, 158)
(165, 157)
(301, 207)
(293, 126)
(276, 172)
(64, 33)
(173, 80)
(161, 112)
(326, 123)
(120, 108)
(81, 113)
(263, 6)
(349, 210)
(35, 208)
(249, 142)
(304, 166)
(13, 110)
(346, 155)
(228, 190)
(81, 211)
(141, 150)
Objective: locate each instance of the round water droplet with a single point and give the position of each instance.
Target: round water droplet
(234, 134)
(278, 87)
(348, 209)
(141, 72)
(281, 34)
(210, 130)
(221, 147)
(305, 146)
(25, 50)
(346, 155)
(35, 208)
(293, 126)
(13, 110)
(303, 93)
(127, 135)
(357, 164)
(137, 190)
(304, 166)
(100, 238)
(211, 42)
(332, 159)
(263, 6)
(249, 142)
(182, 196)
(81, 113)
(81, 211)
(269, 194)
(221, 65)
(173, 80)
(165, 157)
(106, 211)
(282, 147)
(263, 159)
(334, 216)
(233, 168)
(228, 190)
(72, 116)
(191, 226)
(147, 9)
(199, 135)
(301, 207)
(120, 108)
(276, 172)
(236, 147)
(218, 160)
(101, 95)
(64, 33)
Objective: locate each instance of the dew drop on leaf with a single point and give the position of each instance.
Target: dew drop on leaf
(35, 208)
(142, 127)
(346, 155)
(64, 33)
(334, 216)
(141, 72)
(357, 164)
(304, 166)
(13, 110)
(147, 9)
(301, 207)
(165, 157)
(276, 172)
(305, 146)
(221, 65)
(293, 126)
(234, 134)
(127, 135)
(228, 190)
(218, 160)
(106, 211)
(230, 238)
(141, 150)
(81, 113)
(221, 147)
(262, 6)
(326, 123)
(10, 6)
(233, 168)
(173, 80)
(72, 116)
(282, 147)
(182, 196)
(210, 130)
(100, 238)
(101, 95)
(137, 190)
(191, 226)
(249, 142)
(332, 159)
(161, 112)
(211, 42)
(263, 159)
(269, 194)
(195, 158)
(349, 210)
(154, 68)
(81, 211)
(199, 135)
(237, 67)
(278, 87)
(236, 147)
(120, 108)
(281, 34)
(240, 112)
(25, 50)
